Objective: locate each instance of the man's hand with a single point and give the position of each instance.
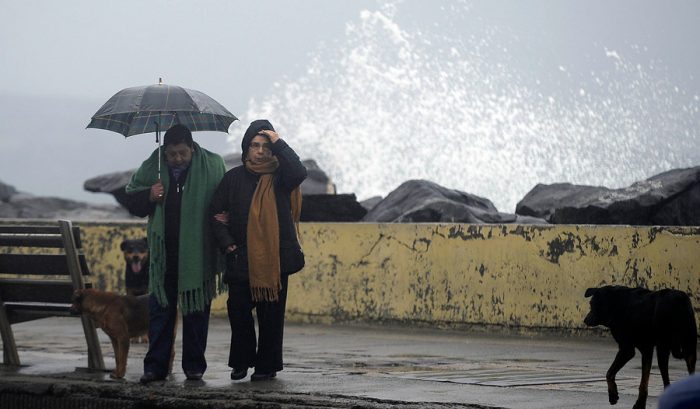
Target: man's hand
(157, 191)
(222, 218)
(231, 248)
(274, 137)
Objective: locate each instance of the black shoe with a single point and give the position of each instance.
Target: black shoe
(149, 377)
(238, 374)
(262, 376)
(194, 376)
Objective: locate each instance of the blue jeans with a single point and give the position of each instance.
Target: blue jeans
(162, 329)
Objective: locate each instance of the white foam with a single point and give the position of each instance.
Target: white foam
(391, 103)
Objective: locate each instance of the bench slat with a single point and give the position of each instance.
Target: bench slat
(35, 236)
(28, 228)
(39, 264)
(17, 312)
(21, 290)
(31, 240)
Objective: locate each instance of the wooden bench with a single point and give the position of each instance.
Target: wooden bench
(37, 281)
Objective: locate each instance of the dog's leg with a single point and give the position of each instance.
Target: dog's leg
(690, 356)
(119, 335)
(690, 363)
(647, 356)
(624, 354)
(662, 355)
(123, 348)
(115, 347)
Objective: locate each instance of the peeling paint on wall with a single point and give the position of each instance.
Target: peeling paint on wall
(510, 275)
(454, 274)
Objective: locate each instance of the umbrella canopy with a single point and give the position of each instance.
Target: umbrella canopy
(152, 108)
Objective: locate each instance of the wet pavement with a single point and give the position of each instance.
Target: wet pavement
(346, 366)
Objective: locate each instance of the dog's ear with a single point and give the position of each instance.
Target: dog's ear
(123, 245)
(77, 296)
(590, 292)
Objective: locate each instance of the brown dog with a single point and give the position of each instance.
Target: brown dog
(121, 317)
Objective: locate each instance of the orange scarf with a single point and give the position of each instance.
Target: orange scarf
(264, 234)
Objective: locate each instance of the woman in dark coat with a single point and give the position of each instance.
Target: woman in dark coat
(263, 202)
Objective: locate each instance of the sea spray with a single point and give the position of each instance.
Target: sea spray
(393, 101)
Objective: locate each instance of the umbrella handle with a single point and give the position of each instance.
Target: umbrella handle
(159, 144)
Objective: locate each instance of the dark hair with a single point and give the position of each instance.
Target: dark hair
(178, 134)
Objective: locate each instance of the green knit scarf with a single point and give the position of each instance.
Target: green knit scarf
(200, 263)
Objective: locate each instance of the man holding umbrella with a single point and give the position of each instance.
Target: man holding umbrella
(184, 261)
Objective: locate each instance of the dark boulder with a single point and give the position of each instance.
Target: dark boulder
(317, 182)
(421, 201)
(670, 198)
(24, 206)
(543, 200)
(20, 205)
(115, 183)
(112, 183)
(371, 202)
(6, 192)
(331, 208)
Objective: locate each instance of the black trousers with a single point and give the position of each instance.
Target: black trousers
(243, 353)
(161, 334)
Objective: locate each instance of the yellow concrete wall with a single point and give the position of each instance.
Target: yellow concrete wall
(455, 275)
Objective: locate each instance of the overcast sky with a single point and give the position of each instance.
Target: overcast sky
(229, 49)
(62, 60)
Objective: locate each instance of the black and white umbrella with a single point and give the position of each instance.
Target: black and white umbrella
(152, 108)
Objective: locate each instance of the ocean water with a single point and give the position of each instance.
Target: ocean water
(472, 105)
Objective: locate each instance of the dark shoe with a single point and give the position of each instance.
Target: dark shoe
(194, 376)
(238, 374)
(149, 377)
(262, 376)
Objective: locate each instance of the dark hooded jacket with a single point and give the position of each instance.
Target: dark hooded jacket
(234, 195)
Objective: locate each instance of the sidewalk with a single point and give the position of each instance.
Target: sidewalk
(347, 366)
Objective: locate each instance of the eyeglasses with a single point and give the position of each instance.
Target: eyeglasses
(264, 146)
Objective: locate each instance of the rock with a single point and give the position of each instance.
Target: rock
(109, 182)
(331, 208)
(670, 198)
(115, 183)
(683, 210)
(317, 182)
(371, 202)
(112, 183)
(543, 200)
(36, 207)
(6, 192)
(421, 201)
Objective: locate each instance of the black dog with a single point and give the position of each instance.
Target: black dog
(136, 257)
(644, 319)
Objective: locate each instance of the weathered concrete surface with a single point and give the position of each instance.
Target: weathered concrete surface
(455, 275)
(459, 274)
(341, 367)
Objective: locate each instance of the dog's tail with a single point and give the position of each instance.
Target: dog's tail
(686, 345)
